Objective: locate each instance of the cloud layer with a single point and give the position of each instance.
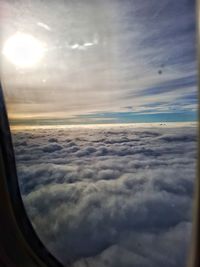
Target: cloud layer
(110, 196)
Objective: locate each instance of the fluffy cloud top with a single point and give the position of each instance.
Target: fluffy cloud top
(110, 196)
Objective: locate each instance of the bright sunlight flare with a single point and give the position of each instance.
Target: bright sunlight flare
(23, 50)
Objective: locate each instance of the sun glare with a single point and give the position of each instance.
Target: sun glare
(23, 50)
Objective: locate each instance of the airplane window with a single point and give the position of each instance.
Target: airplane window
(102, 103)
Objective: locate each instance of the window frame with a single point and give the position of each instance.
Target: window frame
(20, 244)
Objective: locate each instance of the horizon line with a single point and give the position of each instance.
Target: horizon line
(101, 125)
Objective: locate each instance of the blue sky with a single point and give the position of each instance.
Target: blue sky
(114, 61)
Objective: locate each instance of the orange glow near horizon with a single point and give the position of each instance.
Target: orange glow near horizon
(109, 125)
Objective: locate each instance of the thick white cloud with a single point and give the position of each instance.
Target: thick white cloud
(111, 197)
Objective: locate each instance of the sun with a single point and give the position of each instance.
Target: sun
(23, 50)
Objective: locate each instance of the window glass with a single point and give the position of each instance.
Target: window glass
(102, 103)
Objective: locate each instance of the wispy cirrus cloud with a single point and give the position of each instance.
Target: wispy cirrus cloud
(102, 57)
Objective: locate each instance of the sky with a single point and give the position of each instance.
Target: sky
(104, 62)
